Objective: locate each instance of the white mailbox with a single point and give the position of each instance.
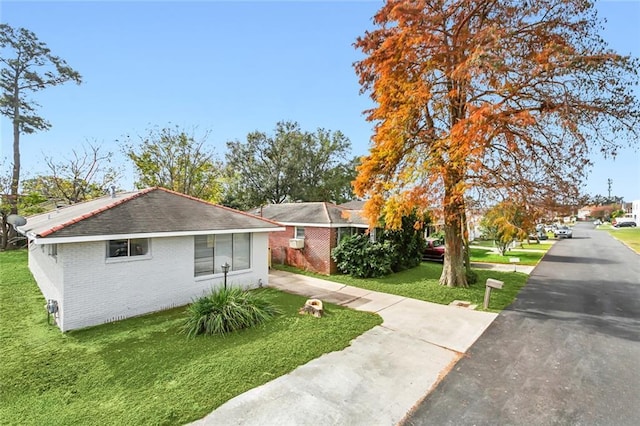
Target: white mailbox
(491, 283)
(494, 283)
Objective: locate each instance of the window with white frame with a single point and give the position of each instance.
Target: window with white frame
(128, 247)
(213, 251)
(241, 252)
(52, 250)
(344, 233)
(299, 233)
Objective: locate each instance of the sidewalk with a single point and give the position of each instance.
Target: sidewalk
(374, 381)
(504, 267)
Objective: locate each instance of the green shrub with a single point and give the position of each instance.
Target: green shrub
(407, 244)
(226, 310)
(472, 276)
(359, 257)
(438, 235)
(395, 251)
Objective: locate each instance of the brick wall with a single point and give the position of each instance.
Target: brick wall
(316, 254)
(96, 290)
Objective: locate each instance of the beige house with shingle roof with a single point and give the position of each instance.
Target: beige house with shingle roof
(133, 253)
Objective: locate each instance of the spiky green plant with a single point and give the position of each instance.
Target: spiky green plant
(227, 310)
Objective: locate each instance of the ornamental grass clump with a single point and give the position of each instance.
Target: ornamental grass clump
(227, 310)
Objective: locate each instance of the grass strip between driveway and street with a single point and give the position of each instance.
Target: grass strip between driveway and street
(629, 236)
(530, 258)
(544, 245)
(142, 370)
(422, 283)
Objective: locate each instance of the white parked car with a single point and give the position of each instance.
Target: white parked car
(563, 231)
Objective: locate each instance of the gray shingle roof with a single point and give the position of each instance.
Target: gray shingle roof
(353, 205)
(320, 213)
(153, 210)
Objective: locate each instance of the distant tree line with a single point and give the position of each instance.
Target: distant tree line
(290, 165)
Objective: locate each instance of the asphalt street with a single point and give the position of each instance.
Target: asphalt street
(566, 352)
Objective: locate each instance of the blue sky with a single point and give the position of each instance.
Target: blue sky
(229, 68)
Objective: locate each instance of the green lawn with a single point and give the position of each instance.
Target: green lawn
(141, 371)
(630, 236)
(544, 245)
(526, 257)
(421, 283)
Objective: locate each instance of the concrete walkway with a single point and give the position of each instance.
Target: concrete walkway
(504, 267)
(374, 381)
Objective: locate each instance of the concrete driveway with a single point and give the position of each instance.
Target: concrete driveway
(374, 381)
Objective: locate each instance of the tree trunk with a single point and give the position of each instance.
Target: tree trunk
(15, 177)
(5, 232)
(453, 270)
(8, 232)
(466, 253)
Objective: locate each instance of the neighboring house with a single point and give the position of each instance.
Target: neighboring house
(585, 212)
(133, 253)
(627, 208)
(635, 210)
(474, 228)
(312, 231)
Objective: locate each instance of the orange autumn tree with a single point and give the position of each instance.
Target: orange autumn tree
(501, 98)
(506, 222)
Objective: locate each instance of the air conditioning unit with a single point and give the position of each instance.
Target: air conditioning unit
(296, 243)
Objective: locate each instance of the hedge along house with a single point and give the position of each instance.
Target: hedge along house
(129, 254)
(312, 231)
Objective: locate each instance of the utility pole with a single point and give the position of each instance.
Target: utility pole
(609, 182)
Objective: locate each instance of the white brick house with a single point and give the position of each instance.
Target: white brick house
(140, 252)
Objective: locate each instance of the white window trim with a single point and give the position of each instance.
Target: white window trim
(231, 271)
(120, 259)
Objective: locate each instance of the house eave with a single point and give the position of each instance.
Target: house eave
(36, 239)
(325, 225)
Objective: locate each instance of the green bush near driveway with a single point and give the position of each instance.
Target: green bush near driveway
(421, 283)
(143, 371)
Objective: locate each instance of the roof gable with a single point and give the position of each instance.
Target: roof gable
(153, 210)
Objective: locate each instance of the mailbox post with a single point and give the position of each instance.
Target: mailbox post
(515, 261)
(491, 283)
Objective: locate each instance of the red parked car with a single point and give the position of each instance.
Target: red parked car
(434, 250)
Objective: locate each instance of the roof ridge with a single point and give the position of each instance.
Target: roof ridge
(137, 195)
(96, 211)
(326, 205)
(215, 205)
(326, 211)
